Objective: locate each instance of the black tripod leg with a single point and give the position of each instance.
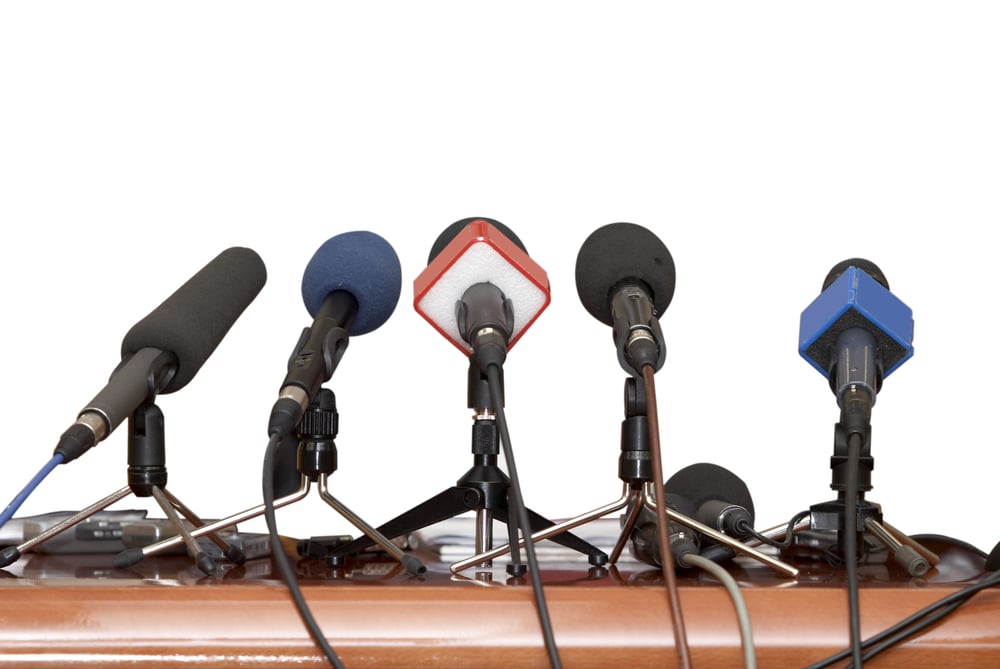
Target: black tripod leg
(452, 502)
(594, 554)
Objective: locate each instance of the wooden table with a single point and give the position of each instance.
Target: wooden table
(74, 610)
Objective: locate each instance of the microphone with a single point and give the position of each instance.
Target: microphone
(683, 541)
(478, 270)
(709, 494)
(856, 333)
(350, 287)
(721, 500)
(164, 351)
(625, 278)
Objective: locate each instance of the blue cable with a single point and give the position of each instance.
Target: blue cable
(16, 503)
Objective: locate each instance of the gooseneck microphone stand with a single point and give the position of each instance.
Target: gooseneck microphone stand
(147, 477)
(635, 469)
(483, 489)
(316, 460)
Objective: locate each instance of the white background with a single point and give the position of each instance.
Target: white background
(762, 142)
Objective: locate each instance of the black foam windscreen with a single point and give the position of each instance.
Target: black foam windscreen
(705, 482)
(194, 319)
(618, 254)
(452, 231)
(867, 266)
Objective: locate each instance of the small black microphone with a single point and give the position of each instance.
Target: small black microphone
(625, 278)
(711, 495)
(721, 499)
(350, 286)
(645, 545)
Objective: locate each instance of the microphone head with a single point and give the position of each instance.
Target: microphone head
(452, 231)
(705, 482)
(361, 263)
(473, 251)
(619, 254)
(193, 320)
(856, 295)
(869, 268)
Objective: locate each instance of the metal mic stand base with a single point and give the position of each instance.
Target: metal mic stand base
(634, 498)
(412, 564)
(483, 490)
(316, 459)
(170, 506)
(824, 536)
(147, 477)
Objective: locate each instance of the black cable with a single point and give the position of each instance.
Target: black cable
(784, 543)
(851, 544)
(891, 641)
(917, 622)
(496, 396)
(666, 560)
(925, 620)
(281, 560)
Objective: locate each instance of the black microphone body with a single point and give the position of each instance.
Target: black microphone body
(136, 381)
(320, 349)
(713, 496)
(683, 541)
(163, 352)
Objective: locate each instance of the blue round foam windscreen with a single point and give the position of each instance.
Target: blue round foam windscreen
(361, 263)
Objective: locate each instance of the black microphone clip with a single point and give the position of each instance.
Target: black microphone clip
(315, 359)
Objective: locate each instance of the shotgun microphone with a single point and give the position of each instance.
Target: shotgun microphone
(164, 351)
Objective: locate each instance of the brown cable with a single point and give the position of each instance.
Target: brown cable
(666, 557)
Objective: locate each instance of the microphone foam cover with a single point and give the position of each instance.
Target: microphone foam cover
(480, 253)
(361, 263)
(855, 298)
(621, 253)
(194, 319)
(704, 481)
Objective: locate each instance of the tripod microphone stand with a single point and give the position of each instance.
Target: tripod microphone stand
(855, 334)
(826, 529)
(635, 470)
(316, 461)
(147, 477)
(483, 489)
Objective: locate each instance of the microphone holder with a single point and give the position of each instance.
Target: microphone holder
(825, 530)
(147, 477)
(316, 459)
(484, 489)
(635, 471)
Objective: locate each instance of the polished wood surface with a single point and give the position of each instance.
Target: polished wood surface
(75, 610)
